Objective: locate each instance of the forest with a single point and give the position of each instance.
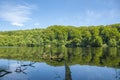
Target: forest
(69, 36)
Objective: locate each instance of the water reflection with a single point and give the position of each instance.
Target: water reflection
(67, 57)
(55, 56)
(117, 74)
(23, 66)
(4, 69)
(36, 71)
(67, 72)
(4, 72)
(60, 63)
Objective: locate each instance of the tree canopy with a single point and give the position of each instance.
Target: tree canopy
(69, 36)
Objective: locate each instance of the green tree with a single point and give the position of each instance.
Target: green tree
(112, 43)
(96, 41)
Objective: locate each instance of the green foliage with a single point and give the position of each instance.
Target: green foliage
(86, 37)
(97, 41)
(73, 43)
(69, 36)
(118, 43)
(112, 43)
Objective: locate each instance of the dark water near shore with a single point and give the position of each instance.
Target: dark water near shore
(41, 63)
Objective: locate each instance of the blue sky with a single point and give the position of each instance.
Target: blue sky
(29, 14)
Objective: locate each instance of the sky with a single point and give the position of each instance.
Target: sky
(30, 14)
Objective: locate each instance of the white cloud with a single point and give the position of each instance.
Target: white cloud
(17, 24)
(36, 24)
(16, 14)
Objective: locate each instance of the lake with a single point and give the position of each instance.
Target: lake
(59, 63)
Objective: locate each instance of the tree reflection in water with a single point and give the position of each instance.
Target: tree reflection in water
(90, 56)
(23, 66)
(4, 70)
(109, 57)
(67, 57)
(117, 74)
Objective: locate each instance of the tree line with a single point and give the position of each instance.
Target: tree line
(69, 36)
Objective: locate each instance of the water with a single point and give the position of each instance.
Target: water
(59, 63)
